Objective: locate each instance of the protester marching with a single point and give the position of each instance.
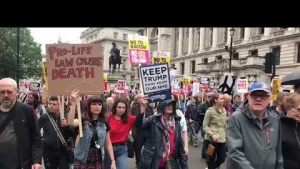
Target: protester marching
(81, 121)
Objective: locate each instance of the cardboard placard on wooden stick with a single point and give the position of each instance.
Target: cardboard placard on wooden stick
(74, 66)
(61, 103)
(79, 118)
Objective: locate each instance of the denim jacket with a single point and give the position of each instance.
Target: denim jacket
(81, 150)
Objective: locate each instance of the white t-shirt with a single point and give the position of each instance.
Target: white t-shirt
(182, 120)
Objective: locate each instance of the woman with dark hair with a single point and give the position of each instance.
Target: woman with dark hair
(164, 146)
(96, 134)
(215, 125)
(34, 101)
(121, 123)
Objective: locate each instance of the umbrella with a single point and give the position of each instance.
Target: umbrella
(292, 78)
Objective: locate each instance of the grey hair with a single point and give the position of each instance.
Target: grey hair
(11, 81)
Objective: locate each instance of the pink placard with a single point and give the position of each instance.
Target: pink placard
(139, 56)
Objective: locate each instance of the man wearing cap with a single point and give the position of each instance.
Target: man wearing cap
(253, 133)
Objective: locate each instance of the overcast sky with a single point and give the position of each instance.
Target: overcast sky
(50, 35)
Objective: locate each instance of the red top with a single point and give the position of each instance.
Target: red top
(118, 130)
(163, 161)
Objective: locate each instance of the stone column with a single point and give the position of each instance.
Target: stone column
(190, 47)
(202, 36)
(247, 34)
(215, 38)
(180, 41)
(267, 31)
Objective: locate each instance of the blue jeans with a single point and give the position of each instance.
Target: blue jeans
(120, 154)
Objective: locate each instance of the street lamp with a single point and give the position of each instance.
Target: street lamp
(231, 31)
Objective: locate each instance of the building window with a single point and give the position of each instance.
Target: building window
(193, 65)
(225, 35)
(276, 51)
(219, 57)
(242, 33)
(205, 60)
(124, 36)
(253, 52)
(235, 56)
(261, 30)
(182, 68)
(124, 50)
(298, 54)
(115, 35)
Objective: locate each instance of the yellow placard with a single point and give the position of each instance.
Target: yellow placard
(186, 80)
(104, 78)
(44, 66)
(161, 57)
(276, 83)
(138, 44)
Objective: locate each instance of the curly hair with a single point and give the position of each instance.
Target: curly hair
(124, 117)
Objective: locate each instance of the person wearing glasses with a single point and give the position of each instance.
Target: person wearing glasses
(254, 133)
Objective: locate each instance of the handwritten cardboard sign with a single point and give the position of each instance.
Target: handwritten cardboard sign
(74, 66)
(156, 81)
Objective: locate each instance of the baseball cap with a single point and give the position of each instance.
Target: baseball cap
(259, 86)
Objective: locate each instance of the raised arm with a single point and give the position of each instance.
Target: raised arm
(75, 95)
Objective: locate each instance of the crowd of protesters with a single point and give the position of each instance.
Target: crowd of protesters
(248, 133)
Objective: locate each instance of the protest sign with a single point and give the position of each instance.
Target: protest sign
(138, 49)
(34, 86)
(161, 57)
(156, 82)
(121, 86)
(74, 66)
(45, 77)
(242, 86)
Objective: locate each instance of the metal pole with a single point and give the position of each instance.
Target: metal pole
(230, 54)
(18, 56)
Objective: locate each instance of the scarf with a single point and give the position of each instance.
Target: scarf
(169, 125)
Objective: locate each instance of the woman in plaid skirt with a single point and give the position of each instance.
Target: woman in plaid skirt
(89, 149)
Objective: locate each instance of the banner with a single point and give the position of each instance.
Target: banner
(74, 66)
(276, 83)
(34, 86)
(121, 86)
(186, 84)
(161, 57)
(139, 49)
(242, 86)
(196, 87)
(156, 82)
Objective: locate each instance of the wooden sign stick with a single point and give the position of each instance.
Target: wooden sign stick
(61, 102)
(79, 118)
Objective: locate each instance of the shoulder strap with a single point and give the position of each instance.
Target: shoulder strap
(5, 122)
(57, 130)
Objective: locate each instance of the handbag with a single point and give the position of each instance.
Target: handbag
(68, 147)
(171, 163)
(130, 149)
(210, 150)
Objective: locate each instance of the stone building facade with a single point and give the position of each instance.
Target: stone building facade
(201, 51)
(105, 36)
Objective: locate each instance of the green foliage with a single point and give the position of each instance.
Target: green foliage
(30, 54)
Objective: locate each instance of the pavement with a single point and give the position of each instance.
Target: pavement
(195, 160)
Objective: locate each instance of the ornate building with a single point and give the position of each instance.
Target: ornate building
(105, 36)
(201, 51)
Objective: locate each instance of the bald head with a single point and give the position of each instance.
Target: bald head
(8, 93)
(227, 99)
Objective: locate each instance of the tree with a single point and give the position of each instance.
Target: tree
(30, 54)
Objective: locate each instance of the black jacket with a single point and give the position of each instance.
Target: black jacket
(28, 135)
(139, 132)
(290, 143)
(151, 153)
(51, 140)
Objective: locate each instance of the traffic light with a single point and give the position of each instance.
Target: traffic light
(270, 62)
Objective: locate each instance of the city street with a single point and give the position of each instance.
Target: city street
(195, 161)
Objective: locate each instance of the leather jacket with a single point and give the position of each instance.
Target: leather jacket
(151, 153)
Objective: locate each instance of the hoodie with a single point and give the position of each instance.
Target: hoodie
(249, 145)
